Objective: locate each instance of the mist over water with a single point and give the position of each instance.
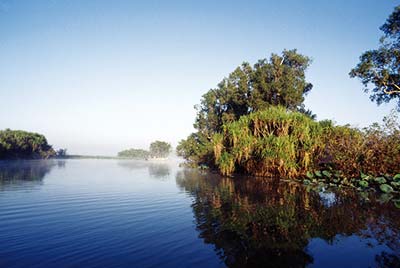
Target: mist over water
(124, 213)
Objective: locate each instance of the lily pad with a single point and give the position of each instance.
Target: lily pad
(310, 175)
(384, 198)
(395, 184)
(386, 188)
(396, 203)
(363, 183)
(327, 173)
(380, 180)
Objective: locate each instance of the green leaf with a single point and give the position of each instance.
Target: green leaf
(318, 173)
(386, 188)
(396, 177)
(396, 203)
(310, 175)
(363, 176)
(363, 184)
(380, 180)
(395, 184)
(384, 198)
(327, 173)
(306, 182)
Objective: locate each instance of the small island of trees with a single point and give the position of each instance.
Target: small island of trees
(158, 150)
(18, 144)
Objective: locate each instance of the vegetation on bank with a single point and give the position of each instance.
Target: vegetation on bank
(279, 80)
(255, 122)
(158, 149)
(18, 144)
(134, 154)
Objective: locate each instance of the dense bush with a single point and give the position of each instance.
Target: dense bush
(160, 149)
(134, 154)
(272, 141)
(18, 144)
(276, 141)
(255, 122)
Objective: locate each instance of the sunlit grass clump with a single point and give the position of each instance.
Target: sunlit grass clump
(269, 142)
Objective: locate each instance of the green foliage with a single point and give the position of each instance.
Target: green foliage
(277, 81)
(327, 173)
(18, 144)
(272, 141)
(386, 188)
(380, 180)
(134, 154)
(196, 149)
(160, 149)
(310, 175)
(380, 67)
(363, 183)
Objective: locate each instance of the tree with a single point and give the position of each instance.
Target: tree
(61, 152)
(134, 154)
(379, 69)
(160, 149)
(15, 144)
(279, 80)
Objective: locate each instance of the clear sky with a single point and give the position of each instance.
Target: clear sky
(100, 76)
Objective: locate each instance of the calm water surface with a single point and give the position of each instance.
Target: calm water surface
(110, 213)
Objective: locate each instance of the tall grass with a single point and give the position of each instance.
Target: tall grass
(289, 144)
(269, 142)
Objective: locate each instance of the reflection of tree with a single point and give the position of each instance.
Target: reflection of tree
(260, 223)
(156, 170)
(159, 170)
(20, 172)
(132, 164)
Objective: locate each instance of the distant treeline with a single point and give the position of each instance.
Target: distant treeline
(158, 149)
(18, 144)
(134, 154)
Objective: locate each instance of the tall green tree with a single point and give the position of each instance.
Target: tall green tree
(379, 69)
(160, 149)
(279, 80)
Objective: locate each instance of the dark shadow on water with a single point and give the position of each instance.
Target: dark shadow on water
(255, 222)
(27, 173)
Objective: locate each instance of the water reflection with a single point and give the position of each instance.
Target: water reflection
(254, 222)
(16, 173)
(157, 170)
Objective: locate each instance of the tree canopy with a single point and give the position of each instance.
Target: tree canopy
(279, 80)
(134, 154)
(379, 69)
(160, 149)
(18, 144)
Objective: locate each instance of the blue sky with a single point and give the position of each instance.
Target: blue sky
(100, 76)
